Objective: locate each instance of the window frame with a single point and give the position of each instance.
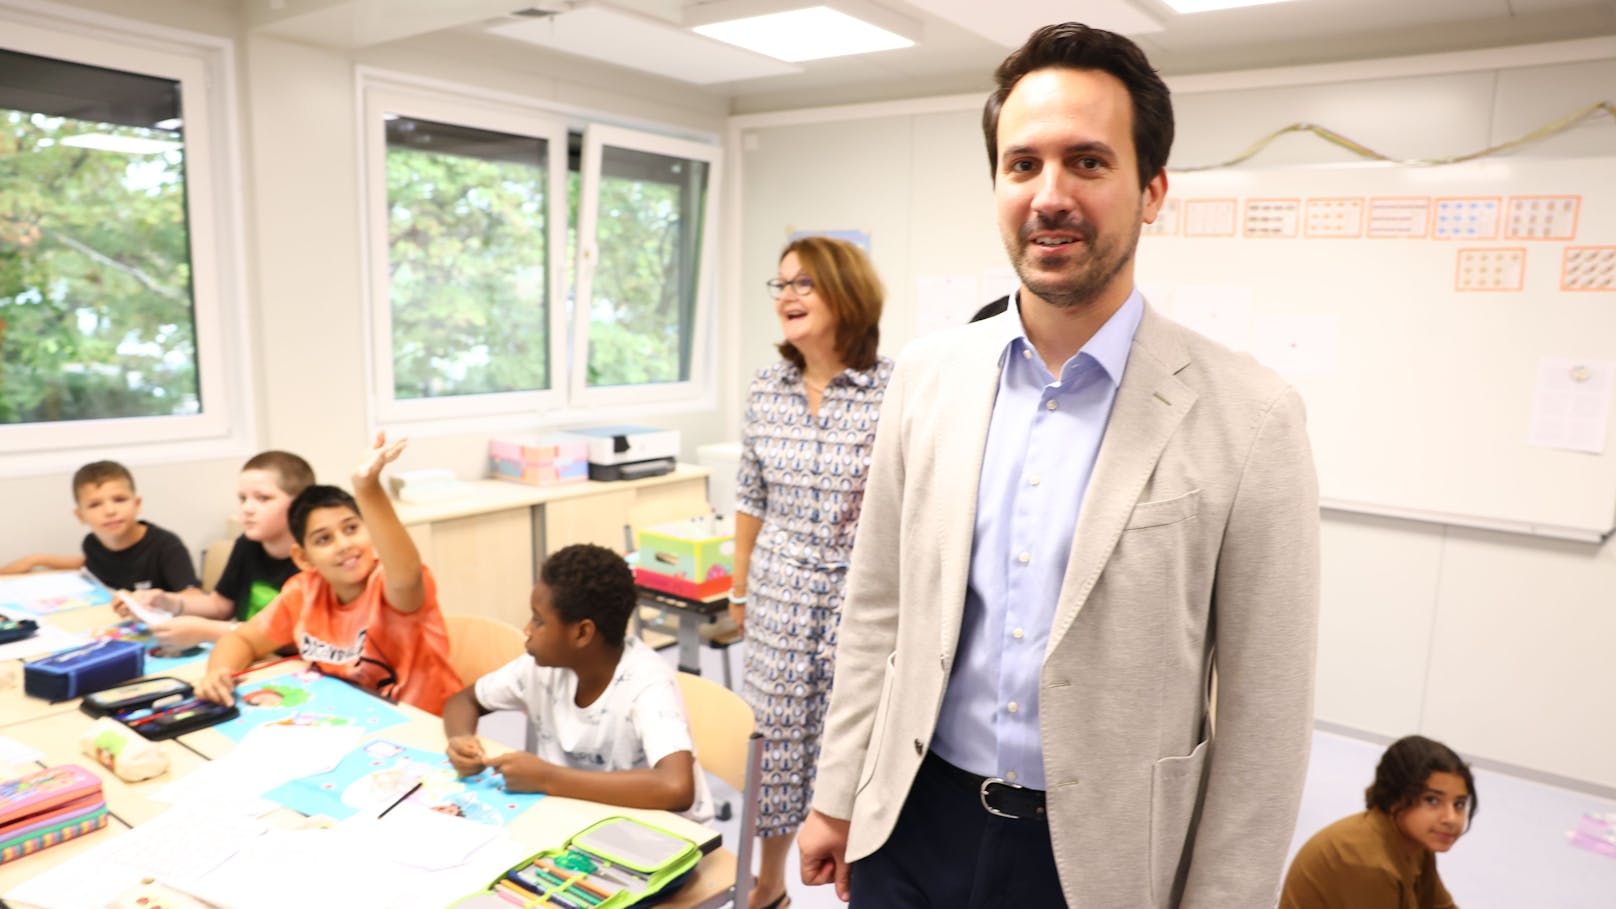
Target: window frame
(596, 138)
(203, 67)
(563, 404)
(382, 98)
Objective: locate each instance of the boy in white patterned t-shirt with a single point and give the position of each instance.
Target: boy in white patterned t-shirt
(607, 719)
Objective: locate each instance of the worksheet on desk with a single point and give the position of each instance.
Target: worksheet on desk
(42, 593)
(181, 845)
(47, 639)
(379, 773)
(308, 698)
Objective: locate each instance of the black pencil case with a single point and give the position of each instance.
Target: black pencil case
(17, 629)
(77, 671)
(185, 714)
(134, 696)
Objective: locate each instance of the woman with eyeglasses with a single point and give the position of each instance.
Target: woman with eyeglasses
(805, 452)
(1421, 802)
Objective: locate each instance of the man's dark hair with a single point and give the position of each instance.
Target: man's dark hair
(1407, 764)
(97, 472)
(1071, 45)
(591, 582)
(316, 496)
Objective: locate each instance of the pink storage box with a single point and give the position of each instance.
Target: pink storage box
(554, 460)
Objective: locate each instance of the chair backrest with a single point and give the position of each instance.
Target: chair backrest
(213, 558)
(729, 747)
(720, 725)
(478, 645)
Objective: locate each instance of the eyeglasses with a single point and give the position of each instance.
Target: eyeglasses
(801, 285)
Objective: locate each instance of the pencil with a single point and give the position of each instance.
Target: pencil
(407, 793)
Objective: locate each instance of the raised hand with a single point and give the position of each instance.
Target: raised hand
(381, 454)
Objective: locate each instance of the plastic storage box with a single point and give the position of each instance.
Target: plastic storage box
(552, 460)
(694, 557)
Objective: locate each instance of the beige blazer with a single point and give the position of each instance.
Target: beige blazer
(1197, 548)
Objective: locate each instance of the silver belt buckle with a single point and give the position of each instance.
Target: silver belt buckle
(984, 795)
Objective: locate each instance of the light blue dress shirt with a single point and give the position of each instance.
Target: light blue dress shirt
(1042, 443)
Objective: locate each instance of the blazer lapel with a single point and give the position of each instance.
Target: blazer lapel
(969, 386)
(1150, 403)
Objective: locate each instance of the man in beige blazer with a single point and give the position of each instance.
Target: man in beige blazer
(1193, 549)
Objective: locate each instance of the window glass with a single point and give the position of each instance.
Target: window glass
(648, 237)
(96, 309)
(467, 260)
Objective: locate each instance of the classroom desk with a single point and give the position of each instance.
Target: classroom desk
(58, 736)
(14, 874)
(17, 707)
(485, 545)
(690, 615)
(547, 824)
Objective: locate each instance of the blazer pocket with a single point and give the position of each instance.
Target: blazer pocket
(1175, 794)
(1165, 511)
(878, 729)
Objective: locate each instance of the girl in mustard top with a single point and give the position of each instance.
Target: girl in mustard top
(1421, 802)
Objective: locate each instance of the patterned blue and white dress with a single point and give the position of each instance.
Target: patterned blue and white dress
(803, 476)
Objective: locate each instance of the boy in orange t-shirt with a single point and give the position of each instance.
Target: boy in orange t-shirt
(364, 608)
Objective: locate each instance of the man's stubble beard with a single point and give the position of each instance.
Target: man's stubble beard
(1067, 290)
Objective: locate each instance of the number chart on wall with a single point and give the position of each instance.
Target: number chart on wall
(1452, 329)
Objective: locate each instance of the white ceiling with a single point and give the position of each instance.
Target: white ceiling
(960, 40)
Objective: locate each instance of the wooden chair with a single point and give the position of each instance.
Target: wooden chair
(478, 645)
(213, 558)
(729, 746)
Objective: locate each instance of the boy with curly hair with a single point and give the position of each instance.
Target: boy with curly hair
(606, 719)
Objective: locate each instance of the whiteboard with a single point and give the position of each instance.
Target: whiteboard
(1413, 308)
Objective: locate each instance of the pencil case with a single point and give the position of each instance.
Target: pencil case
(133, 696)
(116, 747)
(615, 863)
(51, 835)
(17, 629)
(77, 671)
(47, 807)
(176, 715)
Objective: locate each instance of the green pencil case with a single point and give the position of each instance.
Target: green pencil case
(615, 863)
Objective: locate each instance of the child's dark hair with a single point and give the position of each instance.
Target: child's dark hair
(292, 473)
(316, 496)
(97, 472)
(591, 582)
(1404, 768)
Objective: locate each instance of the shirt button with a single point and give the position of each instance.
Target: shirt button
(1018, 634)
(1026, 354)
(920, 747)
(1051, 405)
(1034, 480)
(1010, 775)
(1013, 707)
(1024, 558)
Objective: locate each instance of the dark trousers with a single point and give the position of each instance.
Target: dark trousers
(948, 852)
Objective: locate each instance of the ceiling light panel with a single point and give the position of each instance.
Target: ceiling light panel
(1207, 6)
(813, 33)
(625, 39)
(1009, 24)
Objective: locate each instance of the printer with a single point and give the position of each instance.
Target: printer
(630, 452)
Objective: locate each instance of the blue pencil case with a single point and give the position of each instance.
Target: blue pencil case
(77, 671)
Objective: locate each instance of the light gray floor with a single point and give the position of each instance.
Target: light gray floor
(1515, 856)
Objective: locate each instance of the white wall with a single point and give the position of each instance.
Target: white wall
(304, 314)
(1491, 641)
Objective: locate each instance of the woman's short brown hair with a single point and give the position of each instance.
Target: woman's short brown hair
(844, 278)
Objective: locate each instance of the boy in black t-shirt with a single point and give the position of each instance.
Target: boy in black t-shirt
(259, 563)
(121, 551)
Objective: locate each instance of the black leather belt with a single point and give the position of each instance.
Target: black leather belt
(999, 797)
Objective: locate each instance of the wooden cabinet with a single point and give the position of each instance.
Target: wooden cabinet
(485, 546)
